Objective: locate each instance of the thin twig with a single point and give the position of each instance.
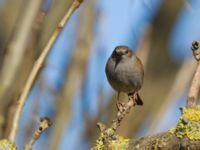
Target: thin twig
(123, 110)
(34, 72)
(195, 86)
(45, 123)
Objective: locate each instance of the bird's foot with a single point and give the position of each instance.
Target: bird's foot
(121, 106)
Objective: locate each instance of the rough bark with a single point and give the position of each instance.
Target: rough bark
(164, 141)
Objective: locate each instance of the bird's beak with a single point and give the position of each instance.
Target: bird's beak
(118, 58)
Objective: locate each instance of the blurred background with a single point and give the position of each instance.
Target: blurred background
(72, 89)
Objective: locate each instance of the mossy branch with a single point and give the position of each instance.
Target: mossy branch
(186, 135)
(164, 141)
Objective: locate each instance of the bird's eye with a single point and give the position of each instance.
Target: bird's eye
(126, 52)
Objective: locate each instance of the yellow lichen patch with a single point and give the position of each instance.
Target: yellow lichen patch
(191, 114)
(188, 124)
(99, 143)
(6, 145)
(109, 140)
(119, 144)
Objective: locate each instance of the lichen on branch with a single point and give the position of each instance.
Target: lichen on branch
(108, 139)
(7, 145)
(188, 124)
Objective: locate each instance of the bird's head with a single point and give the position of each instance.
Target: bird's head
(122, 52)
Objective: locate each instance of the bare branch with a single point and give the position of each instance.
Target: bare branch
(45, 123)
(17, 46)
(36, 68)
(195, 86)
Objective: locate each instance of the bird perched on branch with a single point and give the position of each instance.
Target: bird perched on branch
(125, 73)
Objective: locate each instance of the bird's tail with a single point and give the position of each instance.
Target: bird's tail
(138, 100)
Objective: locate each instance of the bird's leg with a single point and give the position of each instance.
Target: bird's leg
(120, 105)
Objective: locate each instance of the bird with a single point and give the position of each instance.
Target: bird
(125, 72)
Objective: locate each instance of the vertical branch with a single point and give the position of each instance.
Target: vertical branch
(34, 72)
(24, 70)
(195, 86)
(45, 123)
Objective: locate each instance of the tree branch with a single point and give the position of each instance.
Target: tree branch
(186, 135)
(45, 123)
(195, 85)
(17, 46)
(36, 68)
(163, 141)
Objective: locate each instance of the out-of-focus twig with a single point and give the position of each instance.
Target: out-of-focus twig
(45, 123)
(15, 53)
(144, 46)
(181, 81)
(34, 72)
(195, 85)
(28, 61)
(17, 46)
(10, 14)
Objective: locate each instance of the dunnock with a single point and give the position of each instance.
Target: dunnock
(125, 72)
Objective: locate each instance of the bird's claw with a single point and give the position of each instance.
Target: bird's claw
(120, 106)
